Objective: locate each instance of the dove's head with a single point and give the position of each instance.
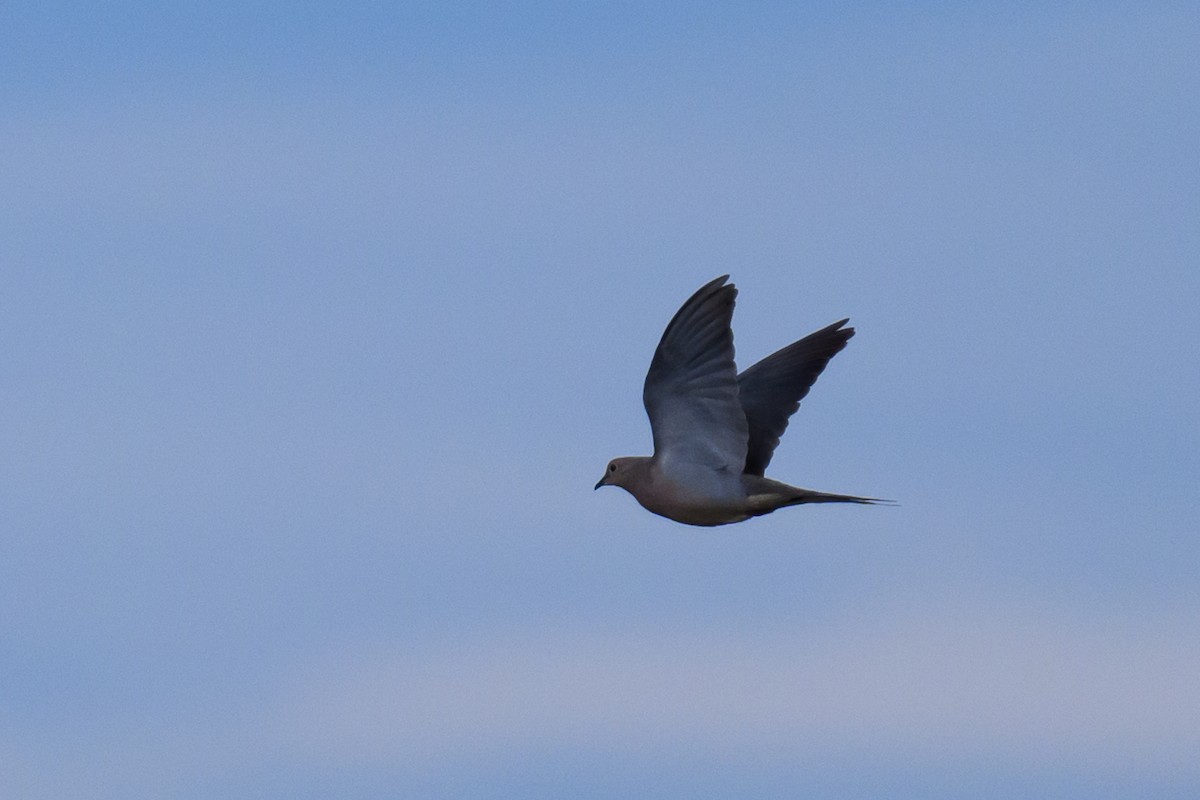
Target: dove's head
(624, 471)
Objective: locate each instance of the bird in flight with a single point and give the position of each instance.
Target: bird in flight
(715, 430)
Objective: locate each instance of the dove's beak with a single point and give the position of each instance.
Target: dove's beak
(599, 483)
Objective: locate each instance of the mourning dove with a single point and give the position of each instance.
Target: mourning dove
(715, 430)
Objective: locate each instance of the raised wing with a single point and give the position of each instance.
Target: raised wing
(691, 391)
(771, 390)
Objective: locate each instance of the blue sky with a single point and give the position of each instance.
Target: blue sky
(321, 322)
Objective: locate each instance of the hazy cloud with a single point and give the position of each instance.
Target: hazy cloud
(931, 684)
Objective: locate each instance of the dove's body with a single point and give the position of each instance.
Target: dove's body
(714, 430)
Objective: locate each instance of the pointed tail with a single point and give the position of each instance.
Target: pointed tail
(764, 495)
(801, 496)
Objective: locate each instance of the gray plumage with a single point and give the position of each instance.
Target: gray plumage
(715, 430)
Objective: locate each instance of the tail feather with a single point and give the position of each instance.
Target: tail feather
(801, 496)
(764, 495)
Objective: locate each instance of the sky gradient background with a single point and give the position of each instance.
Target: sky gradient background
(320, 322)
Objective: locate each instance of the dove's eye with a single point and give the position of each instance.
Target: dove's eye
(612, 467)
